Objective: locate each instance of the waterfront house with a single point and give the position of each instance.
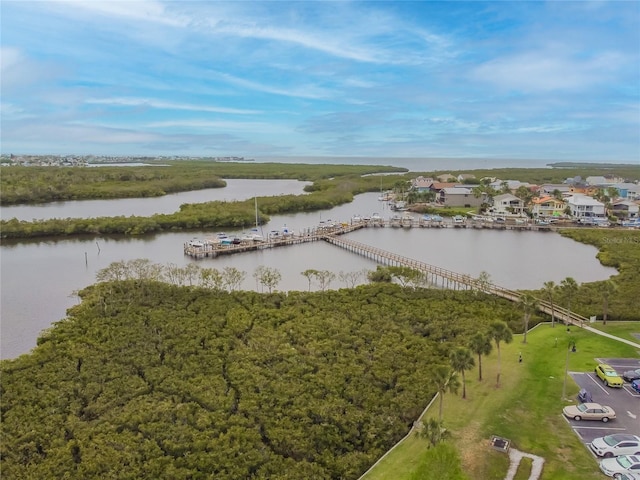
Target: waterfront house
(507, 204)
(547, 206)
(625, 208)
(460, 197)
(585, 207)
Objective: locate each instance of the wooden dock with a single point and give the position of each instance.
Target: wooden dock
(448, 279)
(333, 234)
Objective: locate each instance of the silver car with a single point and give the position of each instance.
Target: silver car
(616, 444)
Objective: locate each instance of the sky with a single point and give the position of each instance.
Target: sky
(553, 80)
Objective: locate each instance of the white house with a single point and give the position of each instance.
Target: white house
(583, 206)
(507, 204)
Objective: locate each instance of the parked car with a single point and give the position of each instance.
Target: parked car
(631, 375)
(608, 376)
(589, 411)
(618, 465)
(636, 385)
(616, 445)
(626, 476)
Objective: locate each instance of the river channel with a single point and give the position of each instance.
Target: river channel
(39, 278)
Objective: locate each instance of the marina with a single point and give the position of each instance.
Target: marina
(223, 245)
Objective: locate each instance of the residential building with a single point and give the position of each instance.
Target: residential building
(550, 188)
(508, 205)
(460, 197)
(421, 184)
(547, 206)
(512, 185)
(625, 208)
(585, 207)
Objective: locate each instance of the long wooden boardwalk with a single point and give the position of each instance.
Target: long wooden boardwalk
(432, 274)
(449, 279)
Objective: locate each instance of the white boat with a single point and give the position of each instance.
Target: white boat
(196, 243)
(256, 236)
(399, 206)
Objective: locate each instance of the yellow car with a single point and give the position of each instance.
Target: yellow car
(608, 376)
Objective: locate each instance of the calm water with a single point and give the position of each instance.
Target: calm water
(235, 190)
(38, 278)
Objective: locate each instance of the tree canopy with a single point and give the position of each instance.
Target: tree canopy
(150, 380)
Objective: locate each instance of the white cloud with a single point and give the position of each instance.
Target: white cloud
(138, 10)
(261, 127)
(547, 71)
(160, 104)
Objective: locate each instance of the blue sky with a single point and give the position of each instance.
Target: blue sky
(528, 79)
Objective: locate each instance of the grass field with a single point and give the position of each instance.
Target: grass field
(526, 409)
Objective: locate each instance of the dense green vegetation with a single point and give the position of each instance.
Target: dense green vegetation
(150, 380)
(525, 410)
(332, 185)
(619, 249)
(49, 184)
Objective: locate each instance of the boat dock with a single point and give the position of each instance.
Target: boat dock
(332, 233)
(213, 247)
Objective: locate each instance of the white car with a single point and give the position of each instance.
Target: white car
(623, 464)
(616, 445)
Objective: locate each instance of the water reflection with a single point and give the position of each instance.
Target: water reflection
(39, 277)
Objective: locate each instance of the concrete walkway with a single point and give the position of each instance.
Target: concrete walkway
(623, 340)
(514, 458)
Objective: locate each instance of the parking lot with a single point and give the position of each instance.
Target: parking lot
(624, 401)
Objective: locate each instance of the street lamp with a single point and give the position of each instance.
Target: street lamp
(571, 347)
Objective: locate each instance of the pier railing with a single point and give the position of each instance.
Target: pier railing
(450, 279)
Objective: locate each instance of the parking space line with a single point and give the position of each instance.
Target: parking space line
(597, 428)
(598, 384)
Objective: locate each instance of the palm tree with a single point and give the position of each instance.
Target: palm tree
(608, 288)
(480, 344)
(549, 290)
(434, 431)
(569, 288)
(500, 332)
(529, 304)
(444, 379)
(461, 359)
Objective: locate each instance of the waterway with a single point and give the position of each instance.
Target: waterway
(39, 278)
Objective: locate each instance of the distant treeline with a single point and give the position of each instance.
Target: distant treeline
(324, 194)
(24, 185)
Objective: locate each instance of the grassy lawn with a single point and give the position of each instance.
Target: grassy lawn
(526, 408)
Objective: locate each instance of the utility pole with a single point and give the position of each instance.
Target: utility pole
(570, 347)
